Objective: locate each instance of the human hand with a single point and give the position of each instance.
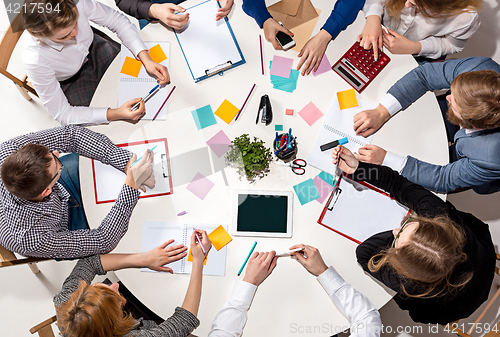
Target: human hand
(153, 68)
(399, 44)
(260, 266)
(141, 173)
(196, 250)
(310, 258)
(156, 258)
(313, 51)
(224, 10)
(348, 162)
(368, 122)
(124, 112)
(371, 154)
(271, 28)
(166, 14)
(371, 36)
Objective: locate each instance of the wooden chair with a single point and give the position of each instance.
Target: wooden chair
(44, 329)
(7, 258)
(494, 331)
(7, 45)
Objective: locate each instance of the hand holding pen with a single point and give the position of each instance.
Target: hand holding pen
(200, 245)
(125, 113)
(344, 159)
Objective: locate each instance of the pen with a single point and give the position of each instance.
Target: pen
(166, 99)
(239, 112)
(261, 57)
(245, 263)
(151, 150)
(290, 251)
(145, 98)
(199, 240)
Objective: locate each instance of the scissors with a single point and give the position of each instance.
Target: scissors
(297, 166)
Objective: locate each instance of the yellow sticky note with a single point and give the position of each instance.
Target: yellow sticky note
(347, 99)
(131, 67)
(226, 111)
(157, 54)
(219, 237)
(190, 257)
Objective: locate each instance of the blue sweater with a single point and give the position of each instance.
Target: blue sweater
(343, 14)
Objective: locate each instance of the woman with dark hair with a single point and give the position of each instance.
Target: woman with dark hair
(441, 261)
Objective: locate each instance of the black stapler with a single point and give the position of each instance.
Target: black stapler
(267, 111)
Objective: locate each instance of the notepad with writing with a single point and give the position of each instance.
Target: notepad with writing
(108, 181)
(358, 210)
(338, 124)
(157, 232)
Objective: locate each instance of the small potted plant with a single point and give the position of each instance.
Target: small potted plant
(252, 159)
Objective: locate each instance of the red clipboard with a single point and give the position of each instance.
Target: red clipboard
(335, 195)
(110, 175)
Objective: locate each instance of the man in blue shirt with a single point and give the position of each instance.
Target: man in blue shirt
(343, 14)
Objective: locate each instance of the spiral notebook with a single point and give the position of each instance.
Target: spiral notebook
(338, 124)
(157, 232)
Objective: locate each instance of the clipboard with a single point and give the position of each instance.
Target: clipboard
(108, 181)
(209, 47)
(358, 210)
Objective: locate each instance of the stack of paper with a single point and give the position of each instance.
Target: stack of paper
(281, 81)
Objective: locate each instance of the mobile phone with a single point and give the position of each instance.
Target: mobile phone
(284, 40)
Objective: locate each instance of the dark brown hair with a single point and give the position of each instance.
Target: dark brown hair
(477, 97)
(24, 172)
(434, 8)
(426, 263)
(44, 23)
(94, 311)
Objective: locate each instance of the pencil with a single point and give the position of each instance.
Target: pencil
(261, 56)
(249, 254)
(239, 112)
(171, 91)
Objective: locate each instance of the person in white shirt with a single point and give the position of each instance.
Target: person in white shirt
(65, 57)
(425, 28)
(230, 320)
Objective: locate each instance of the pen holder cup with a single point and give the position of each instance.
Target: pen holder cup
(285, 153)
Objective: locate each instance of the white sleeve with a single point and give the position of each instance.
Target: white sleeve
(391, 104)
(231, 319)
(394, 161)
(374, 7)
(364, 318)
(116, 22)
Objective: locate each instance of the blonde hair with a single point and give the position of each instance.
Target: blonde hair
(45, 23)
(426, 263)
(94, 311)
(434, 8)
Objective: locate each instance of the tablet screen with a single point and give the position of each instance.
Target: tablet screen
(262, 213)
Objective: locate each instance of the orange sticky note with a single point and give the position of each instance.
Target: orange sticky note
(289, 112)
(347, 99)
(226, 111)
(219, 237)
(157, 54)
(131, 67)
(190, 257)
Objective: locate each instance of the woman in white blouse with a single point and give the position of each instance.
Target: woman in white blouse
(65, 57)
(425, 28)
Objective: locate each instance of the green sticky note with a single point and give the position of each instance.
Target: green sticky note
(203, 117)
(327, 177)
(306, 191)
(278, 127)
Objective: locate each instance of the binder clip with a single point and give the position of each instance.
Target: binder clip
(165, 165)
(267, 111)
(219, 69)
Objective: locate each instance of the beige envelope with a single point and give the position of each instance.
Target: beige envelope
(293, 13)
(303, 32)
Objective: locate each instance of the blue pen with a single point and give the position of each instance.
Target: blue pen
(151, 150)
(150, 93)
(249, 254)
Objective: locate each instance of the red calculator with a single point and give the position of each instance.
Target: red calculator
(358, 66)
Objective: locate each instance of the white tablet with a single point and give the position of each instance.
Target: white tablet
(262, 213)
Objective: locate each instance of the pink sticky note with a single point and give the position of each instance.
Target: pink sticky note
(200, 185)
(324, 66)
(219, 143)
(289, 112)
(310, 113)
(323, 188)
(281, 66)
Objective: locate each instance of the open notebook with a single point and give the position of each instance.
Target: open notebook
(156, 233)
(338, 124)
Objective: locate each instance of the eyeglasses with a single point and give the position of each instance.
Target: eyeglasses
(61, 166)
(400, 231)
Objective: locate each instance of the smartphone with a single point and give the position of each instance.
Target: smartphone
(284, 40)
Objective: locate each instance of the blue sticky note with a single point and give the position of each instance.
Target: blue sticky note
(203, 117)
(327, 177)
(278, 127)
(306, 191)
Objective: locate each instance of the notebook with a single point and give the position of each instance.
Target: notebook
(338, 124)
(157, 232)
(358, 210)
(108, 181)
